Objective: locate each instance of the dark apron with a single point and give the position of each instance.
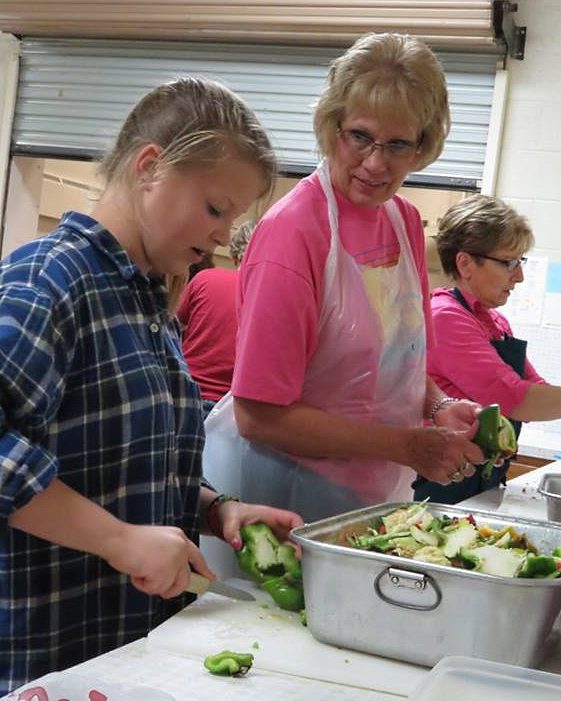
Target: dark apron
(512, 351)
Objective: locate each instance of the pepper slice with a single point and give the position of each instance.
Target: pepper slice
(229, 664)
(540, 566)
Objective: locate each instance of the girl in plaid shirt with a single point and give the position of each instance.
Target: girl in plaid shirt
(101, 492)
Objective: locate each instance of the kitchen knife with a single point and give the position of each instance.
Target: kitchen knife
(199, 585)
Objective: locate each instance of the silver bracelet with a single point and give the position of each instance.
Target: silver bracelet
(437, 406)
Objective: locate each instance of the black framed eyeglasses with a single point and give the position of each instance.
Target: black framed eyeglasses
(510, 264)
(363, 145)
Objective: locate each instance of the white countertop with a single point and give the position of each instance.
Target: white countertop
(289, 662)
(520, 497)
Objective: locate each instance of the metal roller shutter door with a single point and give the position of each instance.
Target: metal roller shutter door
(73, 95)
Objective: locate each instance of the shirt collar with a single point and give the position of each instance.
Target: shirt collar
(103, 240)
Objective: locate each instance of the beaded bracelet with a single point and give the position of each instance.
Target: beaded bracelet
(211, 512)
(437, 406)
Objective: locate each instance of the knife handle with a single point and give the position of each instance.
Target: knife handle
(197, 583)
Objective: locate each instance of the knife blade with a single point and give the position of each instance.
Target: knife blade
(199, 585)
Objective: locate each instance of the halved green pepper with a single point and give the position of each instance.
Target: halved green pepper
(272, 565)
(229, 664)
(286, 592)
(495, 436)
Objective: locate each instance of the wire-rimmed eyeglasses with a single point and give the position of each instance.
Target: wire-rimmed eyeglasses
(511, 264)
(363, 145)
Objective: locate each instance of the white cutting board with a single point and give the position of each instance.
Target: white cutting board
(283, 644)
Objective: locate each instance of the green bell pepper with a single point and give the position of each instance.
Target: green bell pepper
(229, 664)
(272, 565)
(369, 541)
(495, 436)
(286, 592)
(540, 566)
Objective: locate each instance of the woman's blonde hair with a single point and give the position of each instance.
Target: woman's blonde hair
(240, 239)
(391, 75)
(479, 225)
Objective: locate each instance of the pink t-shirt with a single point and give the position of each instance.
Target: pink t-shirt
(207, 312)
(464, 364)
(281, 283)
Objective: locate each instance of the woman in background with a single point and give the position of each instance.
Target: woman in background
(482, 243)
(207, 312)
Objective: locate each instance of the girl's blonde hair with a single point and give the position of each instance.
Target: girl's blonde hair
(195, 122)
(393, 76)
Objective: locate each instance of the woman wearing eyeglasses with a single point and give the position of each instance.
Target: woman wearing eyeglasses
(481, 243)
(330, 386)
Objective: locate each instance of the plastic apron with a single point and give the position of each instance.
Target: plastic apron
(511, 351)
(369, 365)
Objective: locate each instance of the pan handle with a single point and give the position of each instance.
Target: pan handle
(412, 584)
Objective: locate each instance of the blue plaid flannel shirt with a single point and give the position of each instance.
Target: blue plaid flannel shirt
(93, 389)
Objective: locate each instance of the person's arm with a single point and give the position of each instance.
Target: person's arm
(542, 402)
(230, 515)
(458, 414)
(37, 333)
(303, 430)
(157, 558)
(465, 357)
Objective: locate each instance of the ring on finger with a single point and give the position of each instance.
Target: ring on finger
(457, 476)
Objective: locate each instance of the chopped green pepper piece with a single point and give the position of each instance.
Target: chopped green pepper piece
(495, 436)
(539, 566)
(369, 541)
(272, 565)
(229, 664)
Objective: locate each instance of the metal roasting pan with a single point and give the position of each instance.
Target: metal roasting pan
(420, 612)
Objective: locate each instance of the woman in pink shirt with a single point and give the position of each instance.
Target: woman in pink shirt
(481, 243)
(207, 313)
(330, 386)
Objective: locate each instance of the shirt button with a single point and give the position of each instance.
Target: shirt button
(154, 327)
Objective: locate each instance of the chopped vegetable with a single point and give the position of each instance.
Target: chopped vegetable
(412, 531)
(229, 664)
(405, 516)
(431, 554)
(496, 436)
(272, 565)
(541, 566)
(461, 534)
(490, 559)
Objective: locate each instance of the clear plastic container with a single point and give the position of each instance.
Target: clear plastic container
(471, 679)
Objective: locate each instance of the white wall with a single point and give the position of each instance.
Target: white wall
(530, 165)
